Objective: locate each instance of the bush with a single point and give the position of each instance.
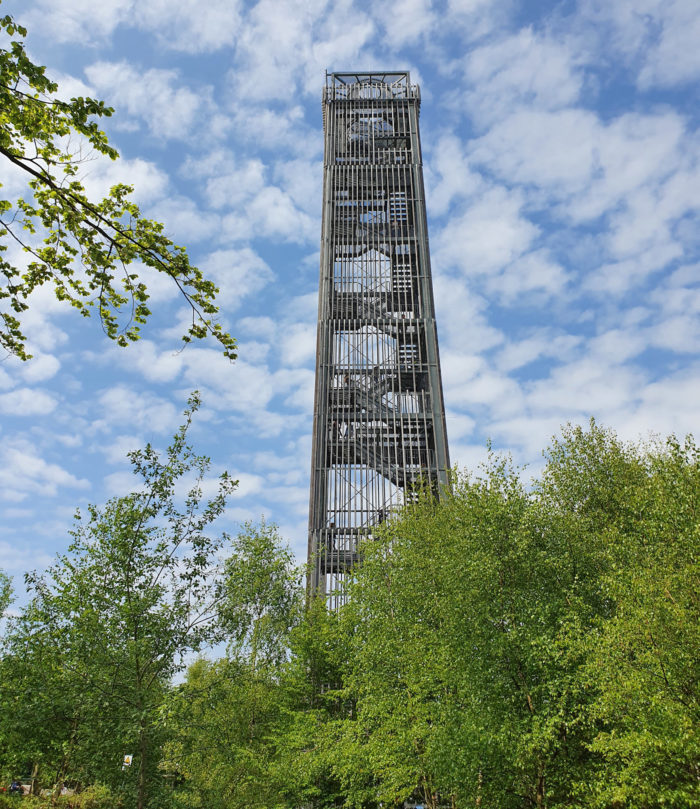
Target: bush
(95, 797)
(18, 802)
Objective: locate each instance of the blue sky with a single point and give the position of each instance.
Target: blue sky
(562, 167)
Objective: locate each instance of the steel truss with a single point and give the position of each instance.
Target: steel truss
(379, 423)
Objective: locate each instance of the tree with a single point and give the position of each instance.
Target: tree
(643, 663)
(85, 248)
(513, 647)
(228, 719)
(262, 596)
(110, 623)
(249, 729)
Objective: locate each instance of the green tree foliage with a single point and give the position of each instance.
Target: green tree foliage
(643, 664)
(5, 593)
(250, 729)
(225, 722)
(262, 596)
(514, 648)
(506, 647)
(87, 249)
(228, 719)
(91, 658)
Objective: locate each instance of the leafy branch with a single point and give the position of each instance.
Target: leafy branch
(84, 248)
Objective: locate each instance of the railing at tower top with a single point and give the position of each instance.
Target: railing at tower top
(370, 92)
(370, 85)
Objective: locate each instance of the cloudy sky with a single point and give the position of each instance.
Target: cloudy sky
(563, 188)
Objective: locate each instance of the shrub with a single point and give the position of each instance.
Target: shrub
(94, 797)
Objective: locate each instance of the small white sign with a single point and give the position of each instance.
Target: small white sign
(128, 760)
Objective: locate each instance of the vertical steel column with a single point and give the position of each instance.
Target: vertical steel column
(379, 423)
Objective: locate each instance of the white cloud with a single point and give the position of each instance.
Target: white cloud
(193, 28)
(347, 37)
(579, 160)
(449, 175)
(302, 396)
(185, 221)
(176, 23)
(19, 559)
(487, 236)
(41, 368)
(43, 335)
(257, 208)
(232, 185)
(273, 128)
(240, 386)
(118, 484)
(150, 182)
(121, 405)
(472, 385)
(406, 21)
(70, 86)
(461, 314)
(248, 484)
(253, 350)
(161, 287)
(157, 96)
(303, 181)
(24, 472)
(272, 214)
(534, 272)
(633, 174)
(237, 273)
(523, 70)
(298, 344)
(78, 20)
(459, 425)
(284, 45)
(668, 405)
(145, 358)
(270, 47)
(619, 276)
(302, 307)
(588, 386)
(116, 450)
(258, 326)
(6, 381)
(27, 402)
(518, 353)
(657, 37)
(680, 334)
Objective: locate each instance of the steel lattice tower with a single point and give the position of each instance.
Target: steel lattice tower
(379, 422)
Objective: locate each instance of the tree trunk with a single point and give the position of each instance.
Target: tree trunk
(143, 749)
(539, 795)
(35, 778)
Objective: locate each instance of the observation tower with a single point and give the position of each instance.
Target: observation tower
(379, 419)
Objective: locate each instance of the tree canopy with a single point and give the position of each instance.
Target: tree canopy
(509, 646)
(514, 647)
(88, 662)
(87, 249)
